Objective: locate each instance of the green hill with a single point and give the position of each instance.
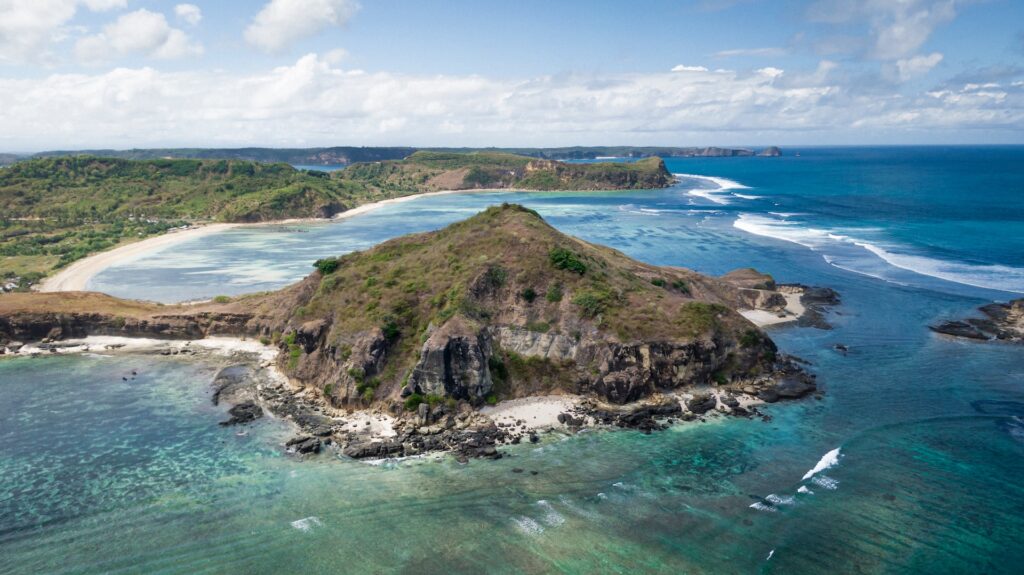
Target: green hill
(462, 312)
(57, 210)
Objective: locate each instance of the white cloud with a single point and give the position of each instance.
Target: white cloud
(312, 102)
(754, 52)
(910, 68)
(898, 28)
(190, 13)
(282, 22)
(336, 56)
(137, 33)
(28, 28)
(682, 68)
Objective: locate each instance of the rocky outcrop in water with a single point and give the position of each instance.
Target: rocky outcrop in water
(1001, 322)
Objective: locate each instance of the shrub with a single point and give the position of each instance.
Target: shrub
(328, 389)
(554, 293)
(265, 340)
(390, 329)
(750, 338)
(593, 301)
(681, 286)
(719, 378)
(368, 395)
(658, 282)
(538, 326)
(433, 399)
(327, 265)
(491, 399)
(564, 259)
(222, 299)
(528, 295)
(499, 373)
(495, 276)
(413, 401)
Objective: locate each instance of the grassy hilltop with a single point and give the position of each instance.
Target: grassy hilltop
(57, 210)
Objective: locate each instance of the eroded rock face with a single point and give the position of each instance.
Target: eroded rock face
(38, 326)
(628, 372)
(453, 362)
(554, 346)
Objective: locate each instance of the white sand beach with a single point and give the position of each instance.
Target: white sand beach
(537, 412)
(76, 276)
(761, 318)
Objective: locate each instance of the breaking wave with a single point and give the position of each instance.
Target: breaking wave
(720, 194)
(829, 460)
(991, 276)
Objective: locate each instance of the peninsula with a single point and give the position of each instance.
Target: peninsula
(426, 330)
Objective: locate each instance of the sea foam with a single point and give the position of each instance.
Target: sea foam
(714, 194)
(307, 524)
(829, 460)
(988, 276)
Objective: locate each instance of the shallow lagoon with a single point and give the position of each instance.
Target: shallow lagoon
(101, 475)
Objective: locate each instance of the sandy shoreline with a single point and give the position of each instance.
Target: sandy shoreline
(76, 276)
(762, 318)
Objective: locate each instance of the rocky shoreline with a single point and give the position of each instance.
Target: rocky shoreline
(252, 387)
(461, 429)
(1001, 322)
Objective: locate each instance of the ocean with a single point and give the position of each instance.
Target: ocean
(912, 461)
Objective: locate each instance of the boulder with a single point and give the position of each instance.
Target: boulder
(701, 403)
(304, 444)
(243, 413)
(375, 449)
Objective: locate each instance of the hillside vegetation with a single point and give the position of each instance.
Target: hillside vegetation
(432, 171)
(464, 311)
(56, 210)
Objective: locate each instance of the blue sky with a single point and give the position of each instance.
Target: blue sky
(127, 73)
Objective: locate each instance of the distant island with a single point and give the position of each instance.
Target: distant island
(57, 210)
(345, 155)
(429, 332)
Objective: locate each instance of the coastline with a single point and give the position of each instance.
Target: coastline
(76, 276)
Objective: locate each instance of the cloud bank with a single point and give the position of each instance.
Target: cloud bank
(313, 102)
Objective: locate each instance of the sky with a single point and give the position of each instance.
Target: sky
(77, 74)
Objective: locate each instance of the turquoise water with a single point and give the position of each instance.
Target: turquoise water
(100, 475)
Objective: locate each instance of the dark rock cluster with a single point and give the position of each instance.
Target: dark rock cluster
(1001, 321)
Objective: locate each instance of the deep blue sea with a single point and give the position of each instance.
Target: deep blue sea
(919, 439)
